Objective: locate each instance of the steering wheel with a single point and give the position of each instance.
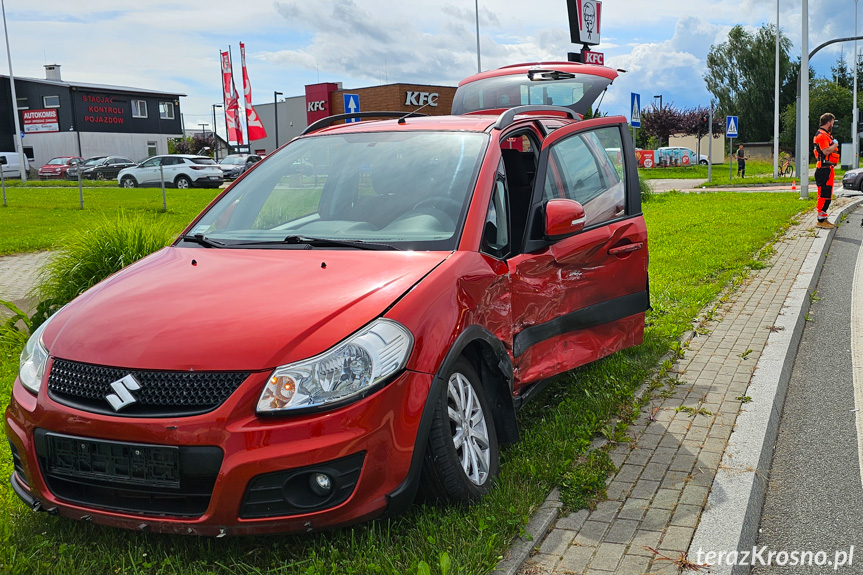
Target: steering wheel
(434, 200)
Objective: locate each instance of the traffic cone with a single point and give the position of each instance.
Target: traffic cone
(793, 186)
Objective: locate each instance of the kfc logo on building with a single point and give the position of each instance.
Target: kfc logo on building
(319, 106)
(422, 99)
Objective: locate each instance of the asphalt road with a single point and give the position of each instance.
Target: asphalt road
(814, 499)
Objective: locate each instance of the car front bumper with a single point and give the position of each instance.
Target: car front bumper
(375, 436)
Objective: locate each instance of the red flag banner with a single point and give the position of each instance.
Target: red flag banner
(253, 122)
(235, 134)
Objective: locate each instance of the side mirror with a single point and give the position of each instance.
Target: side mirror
(563, 218)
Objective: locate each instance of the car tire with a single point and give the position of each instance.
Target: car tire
(703, 162)
(128, 182)
(461, 459)
(100, 176)
(183, 182)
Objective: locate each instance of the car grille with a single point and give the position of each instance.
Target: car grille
(128, 477)
(161, 394)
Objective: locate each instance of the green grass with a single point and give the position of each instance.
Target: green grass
(757, 172)
(38, 218)
(698, 244)
(37, 183)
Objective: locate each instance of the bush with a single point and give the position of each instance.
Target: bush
(646, 192)
(87, 257)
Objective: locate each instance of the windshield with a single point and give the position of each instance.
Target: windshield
(408, 190)
(58, 161)
(576, 91)
(232, 160)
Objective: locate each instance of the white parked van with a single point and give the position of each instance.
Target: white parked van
(11, 167)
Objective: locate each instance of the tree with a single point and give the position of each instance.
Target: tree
(660, 124)
(740, 75)
(840, 72)
(195, 144)
(695, 122)
(824, 96)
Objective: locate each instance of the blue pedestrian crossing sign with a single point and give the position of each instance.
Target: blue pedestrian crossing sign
(352, 104)
(635, 118)
(731, 125)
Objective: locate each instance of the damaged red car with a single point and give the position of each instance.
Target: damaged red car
(316, 347)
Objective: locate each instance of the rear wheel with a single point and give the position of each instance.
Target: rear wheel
(461, 459)
(100, 175)
(183, 182)
(128, 182)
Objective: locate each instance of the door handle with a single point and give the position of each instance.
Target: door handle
(625, 249)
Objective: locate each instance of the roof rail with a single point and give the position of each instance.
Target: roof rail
(508, 117)
(330, 120)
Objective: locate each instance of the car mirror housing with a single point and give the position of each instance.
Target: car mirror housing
(563, 218)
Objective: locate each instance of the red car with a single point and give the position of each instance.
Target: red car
(56, 167)
(315, 347)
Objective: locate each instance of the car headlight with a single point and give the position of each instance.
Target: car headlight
(345, 372)
(34, 357)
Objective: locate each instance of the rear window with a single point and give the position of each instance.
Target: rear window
(203, 161)
(541, 87)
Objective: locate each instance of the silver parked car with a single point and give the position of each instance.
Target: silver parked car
(234, 165)
(179, 170)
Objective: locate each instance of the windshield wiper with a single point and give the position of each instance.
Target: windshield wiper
(319, 243)
(203, 240)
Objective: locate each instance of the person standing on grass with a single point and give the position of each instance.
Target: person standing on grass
(824, 147)
(741, 162)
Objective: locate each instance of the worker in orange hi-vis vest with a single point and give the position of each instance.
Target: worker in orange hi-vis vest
(824, 147)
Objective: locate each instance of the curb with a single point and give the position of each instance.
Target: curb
(733, 512)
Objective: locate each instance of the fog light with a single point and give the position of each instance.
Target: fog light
(321, 484)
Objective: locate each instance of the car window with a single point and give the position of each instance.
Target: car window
(124, 161)
(590, 169)
(57, 162)
(151, 162)
(408, 189)
(495, 237)
(203, 161)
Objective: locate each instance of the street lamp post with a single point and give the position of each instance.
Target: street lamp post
(276, 114)
(18, 143)
(215, 141)
(660, 109)
(855, 114)
(478, 62)
(776, 101)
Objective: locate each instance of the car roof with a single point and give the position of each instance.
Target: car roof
(467, 123)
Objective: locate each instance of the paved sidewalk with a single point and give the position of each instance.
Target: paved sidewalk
(18, 275)
(664, 477)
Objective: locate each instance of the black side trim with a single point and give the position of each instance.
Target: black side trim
(598, 314)
(402, 497)
(22, 493)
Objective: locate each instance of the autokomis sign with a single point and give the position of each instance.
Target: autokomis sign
(40, 121)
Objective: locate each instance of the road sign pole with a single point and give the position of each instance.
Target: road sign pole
(710, 147)
(730, 156)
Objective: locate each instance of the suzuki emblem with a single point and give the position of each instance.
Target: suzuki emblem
(122, 397)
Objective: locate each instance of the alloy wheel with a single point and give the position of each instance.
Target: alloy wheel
(469, 429)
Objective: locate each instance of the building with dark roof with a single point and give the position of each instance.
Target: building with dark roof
(60, 118)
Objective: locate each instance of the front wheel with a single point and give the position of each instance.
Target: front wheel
(100, 176)
(183, 182)
(461, 459)
(128, 182)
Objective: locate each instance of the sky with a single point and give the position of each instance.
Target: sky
(174, 46)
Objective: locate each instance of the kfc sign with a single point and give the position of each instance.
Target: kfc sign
(422, 99)
(597, 58)
(584, 19)
(320, 106)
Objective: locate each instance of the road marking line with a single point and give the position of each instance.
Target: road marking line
(857, 353)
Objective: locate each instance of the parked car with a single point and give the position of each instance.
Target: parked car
(12, 165)
(853, 179)
(304, 357)
(234, 165)
(180, 170)
(56, 167)
(72, 171)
